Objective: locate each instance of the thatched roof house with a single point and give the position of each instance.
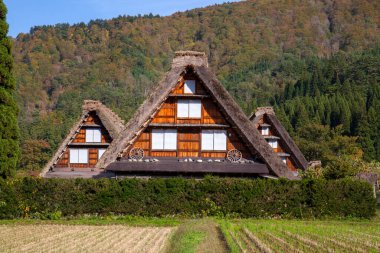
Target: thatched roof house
(194, 66)
(102, 123)
(265, 120)
(188, 125)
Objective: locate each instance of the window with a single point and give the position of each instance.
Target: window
(283, 159)
(78, 155)
(265, 130)
(93, 135)
(189, 108)
(164, 139)
(189, 86)
(214, 140)
(272, 143)
(101, 152)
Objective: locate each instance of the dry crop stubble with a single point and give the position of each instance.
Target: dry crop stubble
(82, 238)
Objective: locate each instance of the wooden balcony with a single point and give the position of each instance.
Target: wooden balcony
(89, 144)
(174, 166)
(175, 125)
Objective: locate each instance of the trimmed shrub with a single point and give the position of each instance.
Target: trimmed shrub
(30, 197)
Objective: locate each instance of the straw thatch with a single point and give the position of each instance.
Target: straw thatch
(197, 62)
(288, 144)
(112, 122)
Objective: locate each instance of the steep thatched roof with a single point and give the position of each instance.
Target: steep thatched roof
(197, 62)
(112, 122)
(277, 127)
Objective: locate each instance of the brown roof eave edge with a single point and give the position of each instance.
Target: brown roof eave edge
(288, 141)
(141, 116)
(256, 142)
(111, 121)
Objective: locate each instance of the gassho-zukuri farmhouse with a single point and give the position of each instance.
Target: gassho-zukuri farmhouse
(188, 126)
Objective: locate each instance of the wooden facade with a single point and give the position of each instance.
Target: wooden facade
(93, 148)
(189, 129)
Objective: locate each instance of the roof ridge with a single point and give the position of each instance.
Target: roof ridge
(186, 58)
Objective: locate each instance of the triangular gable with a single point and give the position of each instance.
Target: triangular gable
(112, 123)
(287, 141)
(198, 62)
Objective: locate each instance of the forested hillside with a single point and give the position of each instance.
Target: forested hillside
(317, 62)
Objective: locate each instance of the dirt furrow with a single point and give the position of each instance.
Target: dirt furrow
(283, 244)
(95, 243)
(48, 239)
(251, 247)
(116, 235)
(152, 241)
(27, 234)
(365, 234)
(257, 242)
(312, 243)
(158, 246)
(340, 244)
(125, 244)
(361, 241)
(242, 249)
(144, 240)
(80, 240)
(58, 244)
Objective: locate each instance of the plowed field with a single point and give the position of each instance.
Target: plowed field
(82, 238)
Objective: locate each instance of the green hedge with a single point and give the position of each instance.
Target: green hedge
(186, 197)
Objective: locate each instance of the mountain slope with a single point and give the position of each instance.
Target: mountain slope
(256, 48)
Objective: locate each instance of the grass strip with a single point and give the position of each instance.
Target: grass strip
(101, 220)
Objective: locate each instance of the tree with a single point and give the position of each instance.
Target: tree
(9, 132)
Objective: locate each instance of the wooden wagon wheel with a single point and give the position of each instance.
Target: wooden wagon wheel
(234, 155)
(136, 153)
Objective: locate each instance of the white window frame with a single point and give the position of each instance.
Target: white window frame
(189, 87)
(78, 156)
(273, 143)
(94, 135)
(265, 130)
(164, 139)
(213, 134)
(101, 151)
(189, 108)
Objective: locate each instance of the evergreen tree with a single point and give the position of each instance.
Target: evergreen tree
(366, 140)
(9, 132)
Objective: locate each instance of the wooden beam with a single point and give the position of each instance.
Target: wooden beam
(188, 125)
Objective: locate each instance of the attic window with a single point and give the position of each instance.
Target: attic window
(164, 139)
(214, 140)
(79, 156)
(273, 143)
(189, 108)
(265, 130)
(189, 87)
(93, 135)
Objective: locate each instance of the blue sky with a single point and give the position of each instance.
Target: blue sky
(24, 14)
